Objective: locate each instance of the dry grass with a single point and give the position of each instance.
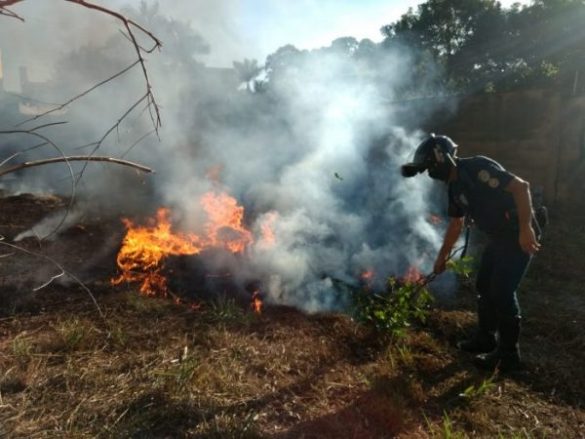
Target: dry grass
(153, 369)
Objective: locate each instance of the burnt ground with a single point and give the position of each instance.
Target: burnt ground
(149, 368)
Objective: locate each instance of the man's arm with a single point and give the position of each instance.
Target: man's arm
(451, 235)
(520, 190)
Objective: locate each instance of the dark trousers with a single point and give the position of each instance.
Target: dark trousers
(503, 265)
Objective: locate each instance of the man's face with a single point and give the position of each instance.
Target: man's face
(440, 171)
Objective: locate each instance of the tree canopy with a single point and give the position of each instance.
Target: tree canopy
(482, 45)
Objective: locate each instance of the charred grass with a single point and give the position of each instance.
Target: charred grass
(154, 369)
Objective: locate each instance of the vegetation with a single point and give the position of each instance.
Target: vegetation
(481, 45)
(152, 368)
(394, 310)
(470, 45)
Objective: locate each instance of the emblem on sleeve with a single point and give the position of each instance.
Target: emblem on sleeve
(493, 183)
(463, 200)
(483, 176)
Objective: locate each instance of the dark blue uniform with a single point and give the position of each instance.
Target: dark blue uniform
(479, 191)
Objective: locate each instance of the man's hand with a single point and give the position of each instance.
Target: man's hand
(528, 241)
(520, 190)
(451, 236)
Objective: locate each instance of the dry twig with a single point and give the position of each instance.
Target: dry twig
(74, 159)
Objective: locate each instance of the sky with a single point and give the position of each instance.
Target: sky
(235, 29)
(307, 24)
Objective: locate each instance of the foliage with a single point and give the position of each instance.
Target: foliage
(393, 311)
(480, 44)
(473, 391)
(225, 310)
(462, 266)
(247, 71)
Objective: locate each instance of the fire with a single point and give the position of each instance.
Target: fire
(144, 248)
(225, 226)
(367, 276)
(256, 304)
(413, 276)
(267, 229)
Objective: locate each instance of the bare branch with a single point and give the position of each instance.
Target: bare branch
(46, 125)
(4, 4)
(80, 95)
(137, 142)
(129, 24)
(74, 159)
(114, 127)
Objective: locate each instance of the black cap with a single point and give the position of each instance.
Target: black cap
(411, 169)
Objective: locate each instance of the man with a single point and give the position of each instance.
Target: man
(499, 203)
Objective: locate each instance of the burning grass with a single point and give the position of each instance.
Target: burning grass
(153, 368)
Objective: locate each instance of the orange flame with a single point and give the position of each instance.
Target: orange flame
(256, 304)
(145, 248)
(367, 276)
(413, 276)
(225, 228)
(267, 229)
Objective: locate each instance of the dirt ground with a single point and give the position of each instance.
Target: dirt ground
(128, 366)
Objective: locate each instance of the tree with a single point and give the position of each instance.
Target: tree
(248, 70)
(480, 44)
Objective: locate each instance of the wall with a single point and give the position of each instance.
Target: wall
(537, 134)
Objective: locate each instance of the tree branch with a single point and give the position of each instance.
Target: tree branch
(4, 4)
(73, 159)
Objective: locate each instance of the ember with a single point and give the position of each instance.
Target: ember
(267, 229)
(367, 277)
(413, 276)
(256, 304)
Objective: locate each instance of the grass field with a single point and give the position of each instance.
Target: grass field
(149, 368)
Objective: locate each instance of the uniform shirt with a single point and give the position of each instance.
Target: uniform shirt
(479, 191)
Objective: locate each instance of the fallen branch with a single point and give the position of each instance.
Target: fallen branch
(74, 159)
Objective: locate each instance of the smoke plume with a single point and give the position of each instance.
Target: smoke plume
(317, 149)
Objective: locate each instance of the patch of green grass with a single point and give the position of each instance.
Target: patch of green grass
(21, 347)
(444, 430)
(225, 310)
(177, 377)
(152, 306)
(74, 332)
(118, 336)
(474, 392)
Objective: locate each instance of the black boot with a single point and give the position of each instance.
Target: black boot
(484, 340)
(506, 357)
(481, 342)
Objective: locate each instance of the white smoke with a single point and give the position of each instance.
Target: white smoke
(322, 149)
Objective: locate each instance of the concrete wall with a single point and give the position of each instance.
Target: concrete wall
(537, 134)
(571, 160)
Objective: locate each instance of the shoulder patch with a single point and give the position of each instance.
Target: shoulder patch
(493, 183)
(483, 176)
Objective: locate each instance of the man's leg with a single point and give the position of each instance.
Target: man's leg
(484, 339)
(510, 264)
